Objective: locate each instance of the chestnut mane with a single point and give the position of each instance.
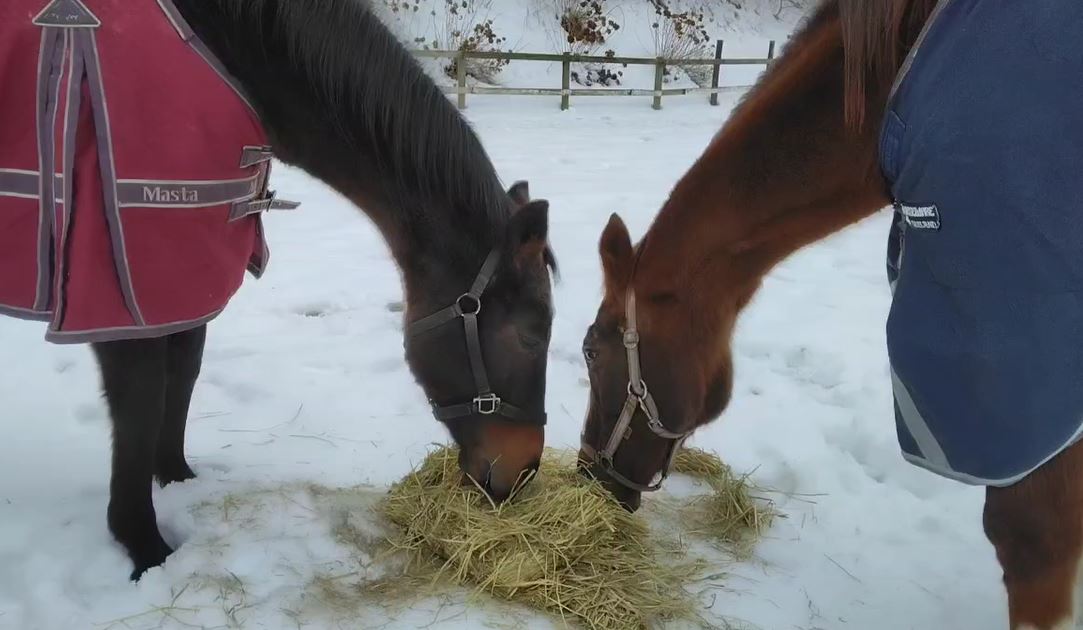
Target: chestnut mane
(876, 35)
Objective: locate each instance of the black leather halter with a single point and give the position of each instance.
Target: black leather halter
(468, 306)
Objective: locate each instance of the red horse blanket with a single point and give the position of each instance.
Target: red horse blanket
(133, 172)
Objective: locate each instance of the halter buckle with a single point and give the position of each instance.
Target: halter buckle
(487, 404)
(631, 339)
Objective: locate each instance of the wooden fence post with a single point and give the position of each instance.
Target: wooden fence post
(460, 71)
(565, 82)
(770, 53)
(716, 74)
(659, 73)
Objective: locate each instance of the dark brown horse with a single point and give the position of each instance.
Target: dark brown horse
(339, 97)
(796, 162)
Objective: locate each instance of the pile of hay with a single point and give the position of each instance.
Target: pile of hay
(731, 513)
(561, 545)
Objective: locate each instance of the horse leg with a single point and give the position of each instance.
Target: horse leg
(184, 358)
(1036, 527)
(134, 379)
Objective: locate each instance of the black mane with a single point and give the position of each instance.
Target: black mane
(343, 99)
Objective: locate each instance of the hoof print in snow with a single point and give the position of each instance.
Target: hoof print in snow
(312, 312)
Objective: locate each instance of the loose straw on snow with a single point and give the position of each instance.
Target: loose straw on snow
(730, 513)
(560, 545)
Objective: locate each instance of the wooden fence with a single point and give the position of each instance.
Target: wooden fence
(565, 92)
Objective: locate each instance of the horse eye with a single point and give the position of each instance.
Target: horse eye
(590, 354)
(530, 343)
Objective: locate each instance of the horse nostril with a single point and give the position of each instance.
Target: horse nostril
(496, 495)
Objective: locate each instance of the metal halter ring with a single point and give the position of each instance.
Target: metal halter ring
(640, 396)
(473, 298)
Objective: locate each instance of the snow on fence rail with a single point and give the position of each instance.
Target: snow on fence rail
(567, 59)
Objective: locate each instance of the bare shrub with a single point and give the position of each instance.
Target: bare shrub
(582, 27)
(679, 32)
(462, 25)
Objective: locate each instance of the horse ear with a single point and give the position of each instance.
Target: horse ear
(615, 248)
(528, 233)
(519, 193)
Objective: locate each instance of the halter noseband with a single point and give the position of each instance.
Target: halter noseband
(467, 306)
(639, 398)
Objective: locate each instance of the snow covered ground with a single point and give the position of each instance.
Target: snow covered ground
(304, 383)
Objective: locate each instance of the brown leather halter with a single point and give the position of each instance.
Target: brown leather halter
(468, 306)
(639, 398)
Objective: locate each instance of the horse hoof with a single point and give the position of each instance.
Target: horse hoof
(154, 558)
(177, 473)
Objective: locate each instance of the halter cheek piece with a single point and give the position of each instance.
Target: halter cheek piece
(639, 398)
(468, 306)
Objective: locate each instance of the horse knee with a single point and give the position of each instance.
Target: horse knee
(1028, 540)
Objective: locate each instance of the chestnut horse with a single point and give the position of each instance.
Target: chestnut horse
(799, 159)
(342, 99)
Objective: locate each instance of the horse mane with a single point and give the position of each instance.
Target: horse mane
(837, 68)
(876, 35)
(330, 69)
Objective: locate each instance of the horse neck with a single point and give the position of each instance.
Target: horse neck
(784, 172)
(342, 99)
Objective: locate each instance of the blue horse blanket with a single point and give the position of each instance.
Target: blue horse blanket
(982, 146)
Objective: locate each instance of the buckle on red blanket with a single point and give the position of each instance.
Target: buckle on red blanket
(242, 209)
(251, 156)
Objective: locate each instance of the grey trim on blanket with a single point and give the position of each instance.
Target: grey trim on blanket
(996, 483)
(108, 170)
(909, 61)
(54, 44)
(102, 335)
(25, 313)
(188, 35)
(185, 194)
(19, 183)
(919, 429)
(145, 193)
(76, 73)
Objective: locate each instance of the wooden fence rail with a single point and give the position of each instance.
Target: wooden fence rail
(565, 91)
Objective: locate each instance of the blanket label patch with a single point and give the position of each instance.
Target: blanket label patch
(919, 217)
(66, 14)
